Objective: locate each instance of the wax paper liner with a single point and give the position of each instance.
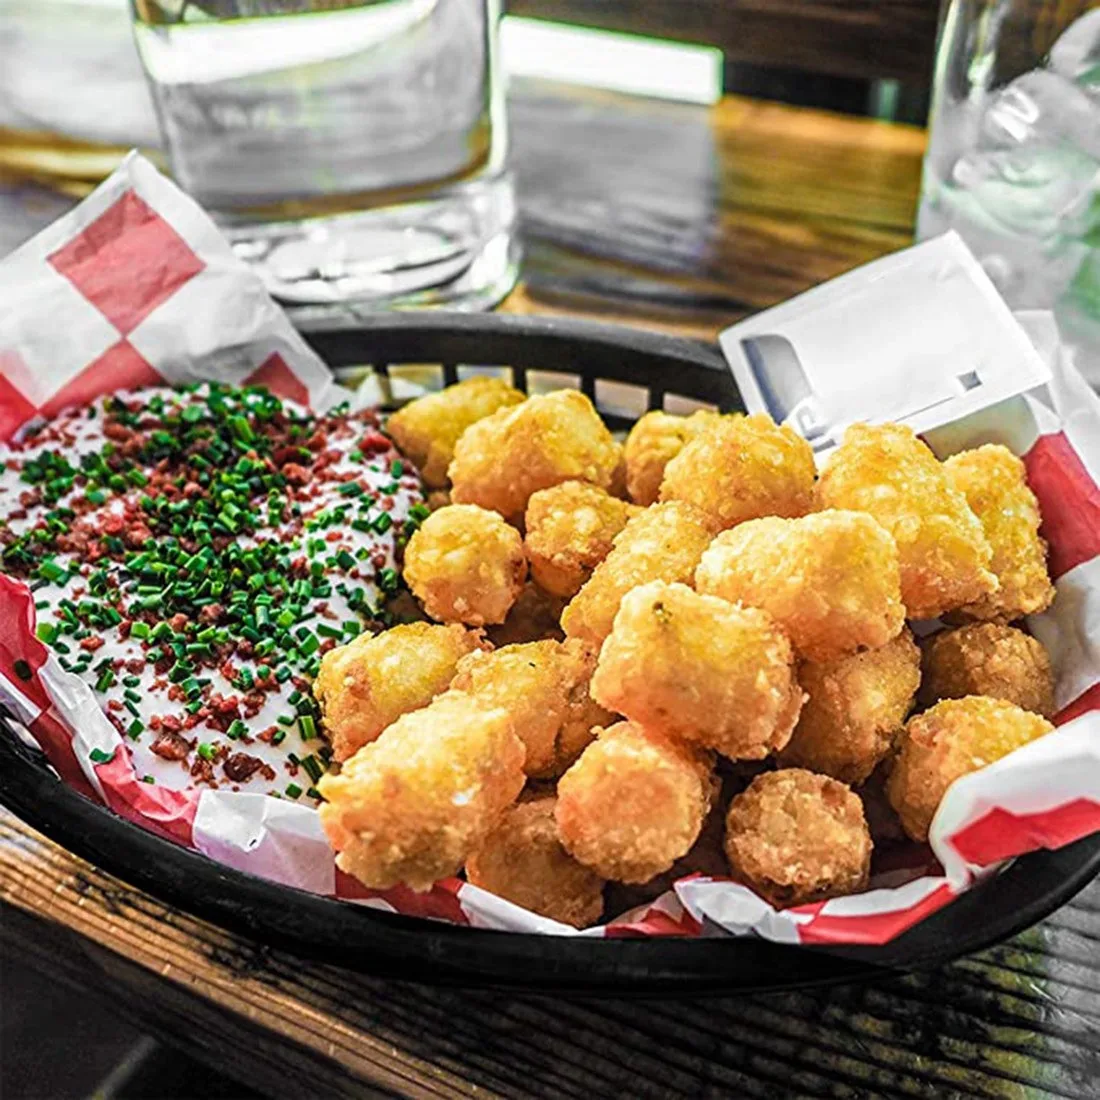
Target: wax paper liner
(139, 238)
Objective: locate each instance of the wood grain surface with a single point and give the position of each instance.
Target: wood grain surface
(1020, 1020)
(864, 38)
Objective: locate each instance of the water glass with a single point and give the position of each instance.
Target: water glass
(355, 151)
(1013, 161)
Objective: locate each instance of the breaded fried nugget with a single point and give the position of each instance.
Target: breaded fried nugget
(570, 529)
(952, 739)
(501, 460)
(535, 617)
(364, 686)
(427, 429)
(653, 442)
(795, 837)
(634, 802)
(831, 580)
(544, 687)
(889, 473)
(854, 710)
(743, 467)
(700, 669)
(466, 565)
(988, 659)
(411, 806)
(994, 483)
(523, 861)
(663, 543)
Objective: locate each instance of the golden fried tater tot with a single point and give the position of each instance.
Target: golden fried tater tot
(854, 711)
(656, 439)
(411, 807)
(634, 802)
(889, 473)
(364, 686)
(698, 668)
(795, 837)
(989, 659)
(544, 687)
(522, 860)
(662, 543)
(952, 739)
(570, 528)
(427, 429)
(466, 565)
(741, 468)
(994, 483)
(831, 580)
(535, 617)
(501, 460)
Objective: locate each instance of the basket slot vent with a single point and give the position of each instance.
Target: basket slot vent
(621, 399)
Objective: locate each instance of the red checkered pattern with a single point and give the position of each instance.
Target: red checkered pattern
(137, 287)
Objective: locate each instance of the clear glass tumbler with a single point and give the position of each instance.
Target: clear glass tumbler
(355, 151)
(1013, 160)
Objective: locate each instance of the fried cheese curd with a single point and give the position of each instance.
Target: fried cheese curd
(466, 565)
(535, 617)
(411, 806)
(427, 429)
(700, 669)
(831, 579)
(569, 530)
(948, 741)
(544, 687)
(742, 467)
(795, 837)
(889, 473)
(504, 458)
(988, 659)
(366, 685)
(634, 802)
(523, 861)
(854, 711)
(654, 440)
(994, 482)
(662, 543)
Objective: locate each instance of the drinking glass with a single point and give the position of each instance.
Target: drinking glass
(354, 151)
(1013, 161)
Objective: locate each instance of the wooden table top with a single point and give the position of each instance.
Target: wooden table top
(685, 219)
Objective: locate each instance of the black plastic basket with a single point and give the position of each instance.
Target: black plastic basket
(660, 369)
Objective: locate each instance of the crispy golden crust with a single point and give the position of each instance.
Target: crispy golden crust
(364, 686)
(653, 442)
(411, 807)
(427, 429)
(466, 565)
(796, 837)
(570, 529)
(831, 580)
(699, 668)
(523, 861)
(535, 617)
(544, 687)
(664, 542)
(988, 659)
(952, 739)
(889, 473)
(994, 482)
(741, 468)
(854, 710)
(501, 460)
(633, 803)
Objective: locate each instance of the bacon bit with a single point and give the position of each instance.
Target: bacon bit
(240, 767)
(177, 622)
(135, 665)
(378, 559)
(124, 628)
(296, 474)
(374, 443)
(318, 441)
(154, 723)
(30, 497)
(224, 706)
(114, 704)
(203, 770)
(170, 745)
(73, 542)
(138, 535)
(244, 648)
(171, 723)
(112, 524)
(113, 430)
(91, 643)
(211, 613)
(192, 489)
(333, 536)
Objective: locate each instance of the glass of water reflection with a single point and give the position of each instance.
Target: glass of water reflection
(354, 151)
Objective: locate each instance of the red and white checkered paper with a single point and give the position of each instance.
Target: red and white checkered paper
(148, 239)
